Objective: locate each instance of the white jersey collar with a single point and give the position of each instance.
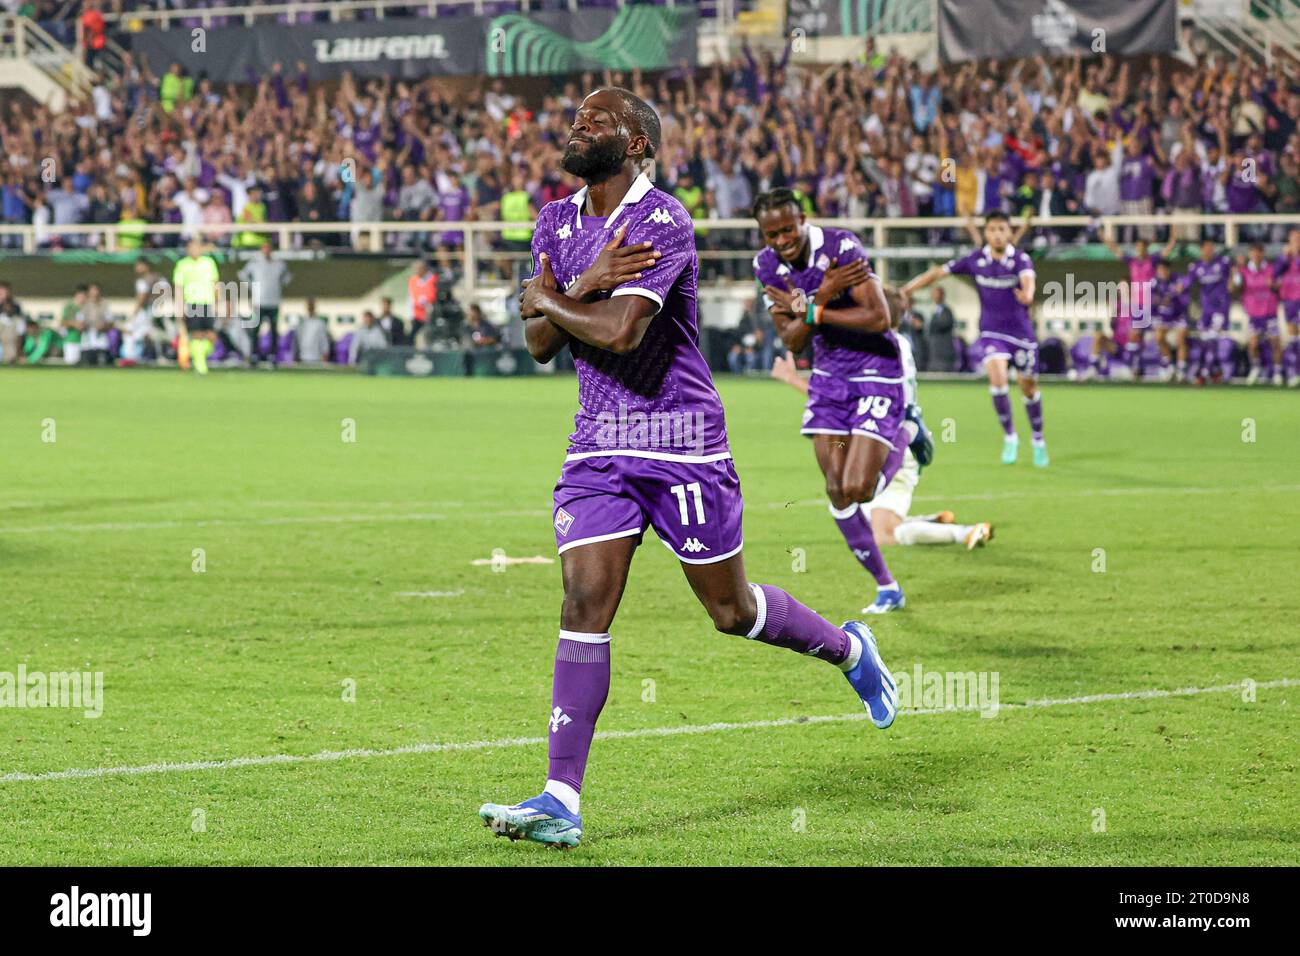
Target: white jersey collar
(635, 193)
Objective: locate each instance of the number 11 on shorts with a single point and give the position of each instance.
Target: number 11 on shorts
(680, 492)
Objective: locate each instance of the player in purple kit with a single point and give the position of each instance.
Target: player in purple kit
(818, 286)
(1213, 273)
(1169, 305)
(1004, 278)
(649, 448)
(1256, 279)
(1133, 311)
(1287, 270)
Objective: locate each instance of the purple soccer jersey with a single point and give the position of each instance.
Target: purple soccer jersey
(1169, 302)
(658, 399)
(857, 381)
(1216, 297)
(649, 447)
(1137, 179)
(836, 350)
(1002, 317)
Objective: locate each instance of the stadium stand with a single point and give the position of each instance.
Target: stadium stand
(139, 159)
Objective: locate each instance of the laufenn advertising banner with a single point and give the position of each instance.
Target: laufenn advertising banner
(541, 43)
(1011, 29)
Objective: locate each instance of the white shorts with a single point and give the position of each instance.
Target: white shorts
(897, 496)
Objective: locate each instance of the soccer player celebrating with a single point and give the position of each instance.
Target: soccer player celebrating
(818, 286)
(1169, 305)
(1255, 277)
(1133, 316)
(1287, 270)
(649, 447)
(1213, 274)
(1004, 278)
(888, 512)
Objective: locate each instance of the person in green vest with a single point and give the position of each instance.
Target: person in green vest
(130, 232)
(194, 300)
(254, 211)
(174, 87)
(691, 196)
(517, 206)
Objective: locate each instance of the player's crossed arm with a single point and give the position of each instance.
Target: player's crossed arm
(791, 309)
(616, 325)
(615, 265)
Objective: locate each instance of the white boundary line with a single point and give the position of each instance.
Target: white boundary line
(716, 728)
(540, 513)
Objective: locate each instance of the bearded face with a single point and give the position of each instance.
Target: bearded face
(595, 158)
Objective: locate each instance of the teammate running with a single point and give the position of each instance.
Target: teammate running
(819, 288)
(1004, 278)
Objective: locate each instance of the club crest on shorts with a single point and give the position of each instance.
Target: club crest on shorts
(563, 521)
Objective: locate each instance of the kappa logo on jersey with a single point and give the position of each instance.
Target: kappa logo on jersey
(660, 216)
(563, 521)
(564, 232)
(694, 546)
(823, 262)
(558, 719)
(846, 244)
(783, 270)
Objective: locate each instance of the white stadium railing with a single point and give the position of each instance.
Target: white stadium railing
(369, 236)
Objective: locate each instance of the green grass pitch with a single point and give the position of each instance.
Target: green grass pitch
(333, 564)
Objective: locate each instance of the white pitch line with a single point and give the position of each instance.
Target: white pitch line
(645, 732)
(542, 513)
(429, 594)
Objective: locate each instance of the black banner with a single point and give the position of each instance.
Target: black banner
(540, 43)
(1012, 29)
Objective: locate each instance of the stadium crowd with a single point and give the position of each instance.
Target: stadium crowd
(876, 137)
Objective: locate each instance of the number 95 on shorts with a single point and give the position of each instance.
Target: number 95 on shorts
(693, 505)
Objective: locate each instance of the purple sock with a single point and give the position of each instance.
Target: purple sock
(1002, 405)
(784, 622)
(856, 528)
(1034, 409)
(895, 459)
(578, 693)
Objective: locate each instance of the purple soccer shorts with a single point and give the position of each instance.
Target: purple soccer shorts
(693, 505)
(1265, 324)
(841, 406)
(1021, 354)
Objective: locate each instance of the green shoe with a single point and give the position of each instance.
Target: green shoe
(1010, 449)
(1040, 456)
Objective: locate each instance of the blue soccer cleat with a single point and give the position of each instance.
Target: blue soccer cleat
(1010, 449)
(871, 678)
(1040, 455)
(922, 445)
(542, 819)
(887, 599)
